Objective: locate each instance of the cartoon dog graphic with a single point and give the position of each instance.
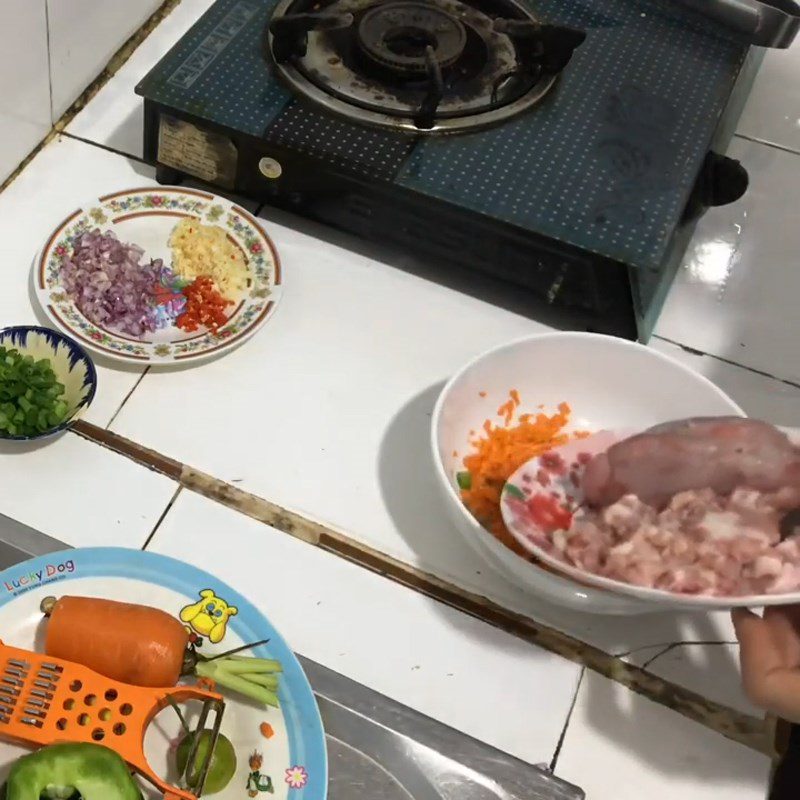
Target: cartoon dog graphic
(208, 617)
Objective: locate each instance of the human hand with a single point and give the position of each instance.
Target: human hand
(770, 658)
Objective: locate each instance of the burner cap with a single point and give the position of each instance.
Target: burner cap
(398, 35)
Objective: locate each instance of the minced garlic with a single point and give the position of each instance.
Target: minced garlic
(205, 250)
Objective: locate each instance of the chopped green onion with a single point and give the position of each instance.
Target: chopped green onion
(514, 491)
(464, 480)
(31, 398)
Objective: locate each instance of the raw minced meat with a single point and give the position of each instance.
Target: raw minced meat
(701, 543)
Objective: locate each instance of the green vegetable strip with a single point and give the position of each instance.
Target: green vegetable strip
(267, 664)
(227, 672)
(514, 491)
(245, 664)
(267, 681)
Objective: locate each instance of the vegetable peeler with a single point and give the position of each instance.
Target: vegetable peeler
(45, 700)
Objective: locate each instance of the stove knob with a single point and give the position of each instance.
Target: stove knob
(721, 181)
(270, 168)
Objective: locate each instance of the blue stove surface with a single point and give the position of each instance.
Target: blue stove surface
(606, 162)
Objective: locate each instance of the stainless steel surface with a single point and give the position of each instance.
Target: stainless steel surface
(377, 749)
(381, 750)
(768, 23)
(19, 542)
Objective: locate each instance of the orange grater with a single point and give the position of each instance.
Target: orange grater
(45, 700)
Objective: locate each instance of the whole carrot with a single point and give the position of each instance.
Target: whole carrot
(131, 643)
(145, 646)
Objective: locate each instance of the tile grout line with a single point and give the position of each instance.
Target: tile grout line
(563, 736)
(105, 147)
(668, 648)
(162, 517)
(128, 396)
(49, 57)
(782, 147)
(689, 643)
(728, 722)
(730, 362)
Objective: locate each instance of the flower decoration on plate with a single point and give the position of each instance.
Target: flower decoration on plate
(297, 777)
(214, 213)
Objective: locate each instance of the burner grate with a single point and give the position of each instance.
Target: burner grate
(424, 66)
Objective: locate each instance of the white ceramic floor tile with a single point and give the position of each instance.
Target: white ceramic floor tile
(709, 666)
(328, 409)
(63, 175)
(760, 397)
(84, 34)
(620, 746)
(711, 670)
(24, 81)
(772, 113)
(318, 403)
(114, 116)
(392, 639)
(81, 493)
(735, 295)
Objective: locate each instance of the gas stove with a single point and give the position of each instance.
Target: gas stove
(564, 146)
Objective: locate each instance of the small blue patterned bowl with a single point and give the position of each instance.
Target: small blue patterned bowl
(70, 362)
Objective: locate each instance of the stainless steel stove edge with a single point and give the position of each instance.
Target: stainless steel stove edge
(431, 761)
(19, 542)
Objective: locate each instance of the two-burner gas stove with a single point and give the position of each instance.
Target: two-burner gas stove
(566, 146)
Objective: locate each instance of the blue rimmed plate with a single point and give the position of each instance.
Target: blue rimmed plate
(290, 765)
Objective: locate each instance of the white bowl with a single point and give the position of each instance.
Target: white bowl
(608, 382)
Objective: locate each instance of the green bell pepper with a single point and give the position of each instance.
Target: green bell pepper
(58, 771)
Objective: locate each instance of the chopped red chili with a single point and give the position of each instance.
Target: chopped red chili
(204, 306)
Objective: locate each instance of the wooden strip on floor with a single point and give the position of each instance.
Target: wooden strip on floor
(750, 731)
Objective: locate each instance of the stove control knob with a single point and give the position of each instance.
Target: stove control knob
(721, 181)
(270, 168)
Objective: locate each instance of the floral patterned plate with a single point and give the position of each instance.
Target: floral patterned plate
(280, 752)
(146, 217)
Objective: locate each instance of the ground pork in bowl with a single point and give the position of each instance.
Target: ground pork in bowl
(606, 383)
(699, 512)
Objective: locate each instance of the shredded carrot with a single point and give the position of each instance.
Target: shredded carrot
(267, 731)
(500, 452)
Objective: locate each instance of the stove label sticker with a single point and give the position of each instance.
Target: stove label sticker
(216, 41)
(202, 154)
